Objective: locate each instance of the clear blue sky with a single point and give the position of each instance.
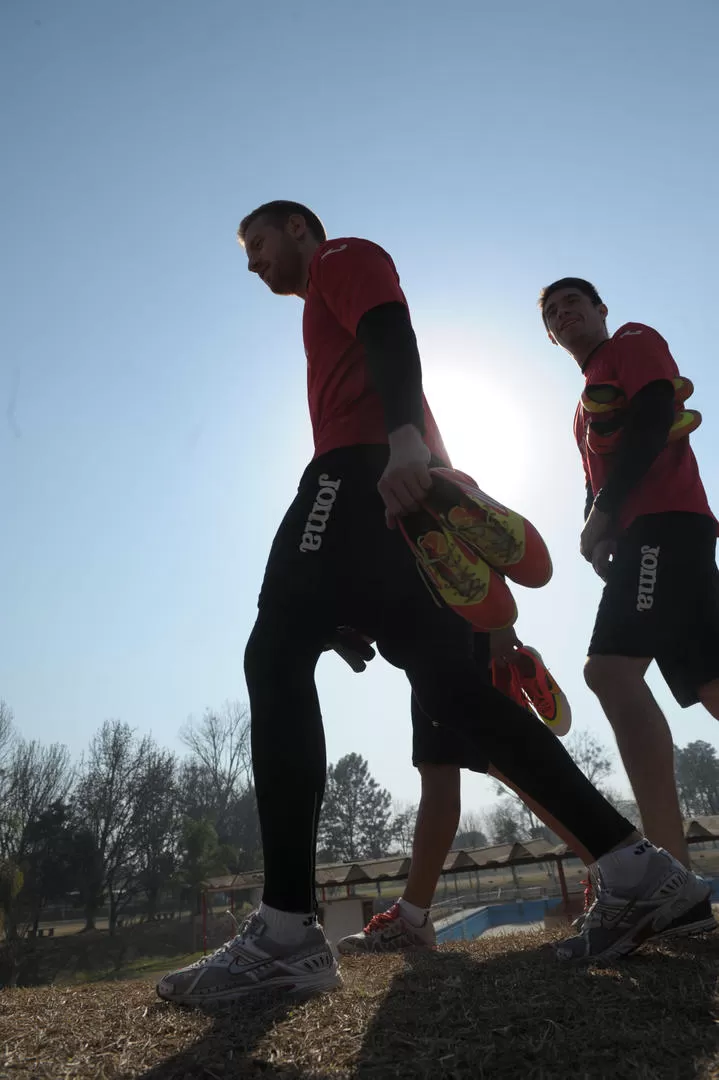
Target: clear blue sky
(154, 421)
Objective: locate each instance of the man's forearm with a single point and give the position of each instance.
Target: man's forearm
(393, 360)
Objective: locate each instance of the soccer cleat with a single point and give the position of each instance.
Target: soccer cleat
(606, 403)
(456, 575)
(389, 931)
(526, 680)
(619, 921)
(253, 962)
(502, 537)
(505, 678)
(539, 687)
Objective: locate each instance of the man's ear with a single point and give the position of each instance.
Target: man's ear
(296, 226)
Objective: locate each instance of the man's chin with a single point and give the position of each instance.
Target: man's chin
(569, 340)
(280, 288)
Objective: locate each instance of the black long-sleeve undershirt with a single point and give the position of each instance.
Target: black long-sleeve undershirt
(390, 345)
(649, 417)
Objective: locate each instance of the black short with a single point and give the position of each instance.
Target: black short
(433, 744)
(661, 601)
(335, 563)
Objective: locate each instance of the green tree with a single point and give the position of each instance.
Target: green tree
(158, 824)
(505, 825)
(696, 768)
(11, 883)
(52, 863)
(112, 799)
(242, 832)
(356, 815)
(202, 857)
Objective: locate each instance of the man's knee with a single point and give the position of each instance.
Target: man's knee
(259, 654)
(278, 650)
(608, 675)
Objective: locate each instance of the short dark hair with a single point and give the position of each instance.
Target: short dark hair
(278, 213)
(577, 283)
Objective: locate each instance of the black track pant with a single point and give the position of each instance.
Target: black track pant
(335, 563)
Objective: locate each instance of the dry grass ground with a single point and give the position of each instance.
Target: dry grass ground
(499, 1008)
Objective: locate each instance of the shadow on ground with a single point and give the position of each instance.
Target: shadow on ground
(477, 1010)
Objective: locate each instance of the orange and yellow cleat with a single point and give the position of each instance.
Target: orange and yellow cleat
(605, 403)
(502, 537)
(456, 575)
(528, 682)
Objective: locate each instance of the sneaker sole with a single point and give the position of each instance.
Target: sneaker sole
(704, 926)
(292, 987)
(703, 923)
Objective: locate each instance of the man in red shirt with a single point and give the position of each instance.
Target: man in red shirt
(336, 563)
(650, 534)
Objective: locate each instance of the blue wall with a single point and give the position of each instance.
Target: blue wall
(518, 911)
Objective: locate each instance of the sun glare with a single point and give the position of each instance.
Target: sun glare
(484, 425)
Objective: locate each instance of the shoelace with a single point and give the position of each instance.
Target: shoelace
(243, 929)
(382, 919)
(588, 893)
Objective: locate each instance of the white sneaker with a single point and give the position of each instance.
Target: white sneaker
(619, 921)
(254, 962)
(389, 931)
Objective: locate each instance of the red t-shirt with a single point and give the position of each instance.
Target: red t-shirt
(347, 278)
(635, 356)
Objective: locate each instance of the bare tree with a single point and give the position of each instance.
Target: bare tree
(404, 819)
(511, 808)
(221, 759)
(7, 736)
(594, 759)
(33, 778)
(626, 806)
(470, 833)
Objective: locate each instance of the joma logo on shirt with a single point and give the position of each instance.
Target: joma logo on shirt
(647, 577)
(333, 251)
(319, 514)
